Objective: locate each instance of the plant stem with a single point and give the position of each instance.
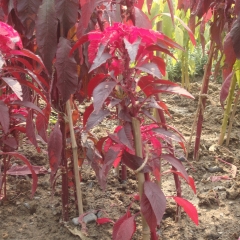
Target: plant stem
(65, 194)
(124, 172)
(232, 118)
(202, 101)
(75, 159)
(140, 176)
(227, 110)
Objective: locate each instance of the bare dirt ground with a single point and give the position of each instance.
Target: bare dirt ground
(218, 203)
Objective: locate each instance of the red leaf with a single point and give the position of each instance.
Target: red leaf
(104, 220)
(101, 93)
(14, 85)
(124, 228)
(25, 160)
(139, 4)
(188, 208)
(166, 133)
(225, 88)
(28, 105)
(30, 129)
(4, 116)
(11, 142)
(176, 163)
(125, 136)
(46, 32)
(101, 58)
(94, 82)
(55, 148)
(150, 68)
(153, 204)
(9, 38)
(160, 63)
(67, 77)
(87, 113)
(235, 36)
(132, 48)
(24, 170)
(141, 19)
(67, 13)
(27, 53)
(96, 118)
(27, 12)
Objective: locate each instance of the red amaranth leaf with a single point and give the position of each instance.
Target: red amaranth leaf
(27, 12)
(125, 227)
(188, 208)
(94, 82)
(141, 19)
(101, 58)
(25, 160)
(67, 13)
(160, 63)
(14, 85)
(46, 32)
(225, 88)
(101, 93)
(30, 129)
(235, 36)
(24, 170)
(101, 221)
(153, 204)
(150, 68)
(9, 38)
(87, 113)
(4, 116)
(132, 48)
(55, 149)
(96, 118)
(28, 105)
(67, 77)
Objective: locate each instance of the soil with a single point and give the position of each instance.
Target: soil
(217, 202)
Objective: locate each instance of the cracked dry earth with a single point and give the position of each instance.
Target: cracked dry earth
(217, 202)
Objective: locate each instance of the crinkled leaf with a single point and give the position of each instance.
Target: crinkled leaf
(96, 118)
(46, 32)
(188, 208)
(101, 93)
(25, 160)
(14, 85)
(67, 77)
(4, 116)
(153, 204)
(55, 149)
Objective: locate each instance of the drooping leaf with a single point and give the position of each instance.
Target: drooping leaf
(30, 129)
(25, 160)
(153, 204)
(101, 93)
(225, 88)
(14, 85)
(176, 163)
(101, 58)
(24, 170)
(125, 227)
(235, 36)
(132, 48)
(94, 82)
(87, 113)
(27, 12)
(188, 208)
(67, 13)
(96, 118)
(55, 149)
(46, 32)
(4, 116)
(67, 77)
(160, 63)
